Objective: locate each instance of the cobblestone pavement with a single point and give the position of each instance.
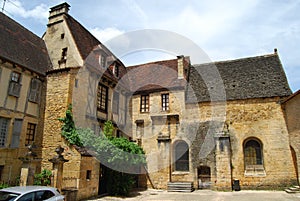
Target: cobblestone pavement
(206, 195)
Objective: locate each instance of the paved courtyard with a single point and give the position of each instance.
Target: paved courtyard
(207, 195)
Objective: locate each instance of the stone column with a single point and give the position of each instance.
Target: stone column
(28, 167)
(223, 162)
(57, 169)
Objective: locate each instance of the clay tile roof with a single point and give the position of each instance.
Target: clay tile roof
(156, 76)
(84, 40)
(253, 77)
(22, 47)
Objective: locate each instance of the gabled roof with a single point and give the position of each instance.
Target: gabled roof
(84, 40)
(87, 43)
(156, 76)
(253, 77)
(22, 47)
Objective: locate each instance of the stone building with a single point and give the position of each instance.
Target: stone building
(215, 123)
(207, 125)
(291, 107)
(24, 61)
(85, 74)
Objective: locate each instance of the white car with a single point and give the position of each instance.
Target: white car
(30, 193)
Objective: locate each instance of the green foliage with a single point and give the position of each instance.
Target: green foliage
(108, 129)
(114, 152)
(3, 185)
(68, 129)
(43, 178)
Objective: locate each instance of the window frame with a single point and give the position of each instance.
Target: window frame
(3, 137)
(165, 102)
(181, 156)
(15, 84)
(35, 90)
(29, 138)
(253, 162)
(144, 103)
(102, 98)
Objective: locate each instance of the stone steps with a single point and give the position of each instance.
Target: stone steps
(294, 189)
(180, 186)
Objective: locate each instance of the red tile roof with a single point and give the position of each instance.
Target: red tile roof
(156, 76)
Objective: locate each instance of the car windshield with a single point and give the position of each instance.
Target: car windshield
(8, 196)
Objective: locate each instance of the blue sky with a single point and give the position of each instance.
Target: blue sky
(223, 29)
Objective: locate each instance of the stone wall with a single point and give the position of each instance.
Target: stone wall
(244, 119)
(292, 109)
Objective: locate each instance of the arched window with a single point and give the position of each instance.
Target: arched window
(253, 152)
(181, 156)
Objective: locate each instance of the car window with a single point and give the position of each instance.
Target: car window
(8, 196)
(27, 197)
(43, 195)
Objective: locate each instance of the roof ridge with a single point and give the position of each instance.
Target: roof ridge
(236, 60)
(154, 62)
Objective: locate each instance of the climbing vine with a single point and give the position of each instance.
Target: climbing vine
(112, 151)
(68, 129)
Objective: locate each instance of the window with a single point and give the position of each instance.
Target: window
(181, 156)
(30, 133)
(252, 152)
(14, 85)
(35, 90)
(116, 70)
(64, 53)
(144, 103)
(253, 158)
(102, 98)
(116, 102)
(17, 128)
(43, 195)
(4, 122)
(102, 61)
(88, 174)
(165, 102)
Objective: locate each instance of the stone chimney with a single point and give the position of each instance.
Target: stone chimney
(57, 13)
(180, 66)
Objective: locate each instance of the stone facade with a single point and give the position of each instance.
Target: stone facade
(291, 106)
(173, 109)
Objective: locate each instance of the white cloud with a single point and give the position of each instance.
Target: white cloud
(39, 12)
(104, 35)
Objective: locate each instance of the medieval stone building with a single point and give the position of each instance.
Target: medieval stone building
(206, 125)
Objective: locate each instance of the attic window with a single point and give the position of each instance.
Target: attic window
(64, 54)
(62, 36)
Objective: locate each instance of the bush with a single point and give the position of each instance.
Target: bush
(43, 178)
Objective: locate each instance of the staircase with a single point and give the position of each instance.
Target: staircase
(295, 189)
(180, 186)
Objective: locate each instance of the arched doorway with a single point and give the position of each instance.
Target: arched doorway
(204, 177)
